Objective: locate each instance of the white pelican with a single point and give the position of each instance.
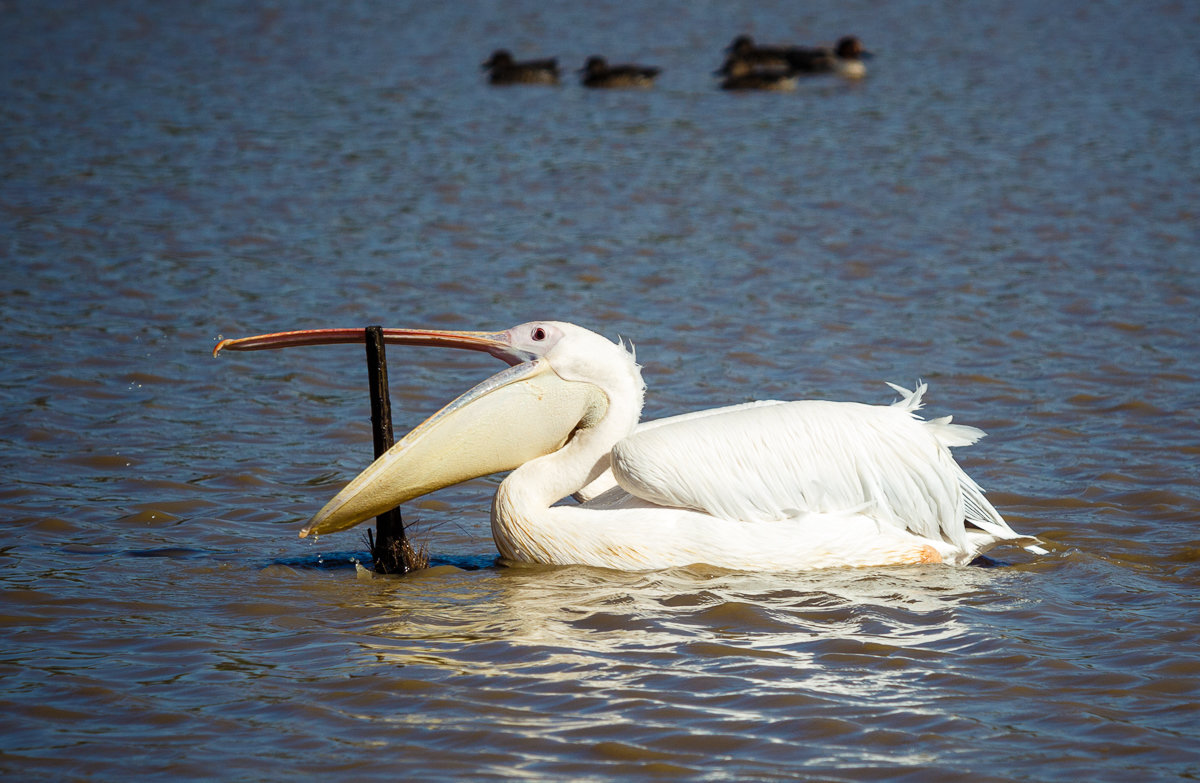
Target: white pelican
(762, 486)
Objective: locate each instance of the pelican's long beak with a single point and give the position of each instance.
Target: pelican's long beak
(497, 344)
(520, 414)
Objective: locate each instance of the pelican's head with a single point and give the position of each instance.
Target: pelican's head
(562, 379)
(576, 353)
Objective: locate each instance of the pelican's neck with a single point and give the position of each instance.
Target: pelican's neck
(521, 515)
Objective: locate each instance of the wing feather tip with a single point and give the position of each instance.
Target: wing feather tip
(910, 399)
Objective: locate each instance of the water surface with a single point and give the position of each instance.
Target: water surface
(1005, 207)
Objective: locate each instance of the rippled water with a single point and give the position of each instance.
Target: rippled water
(1005, 207)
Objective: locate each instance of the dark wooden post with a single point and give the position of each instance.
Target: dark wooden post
(390, 549)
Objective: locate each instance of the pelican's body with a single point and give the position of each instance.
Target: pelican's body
(761, 486)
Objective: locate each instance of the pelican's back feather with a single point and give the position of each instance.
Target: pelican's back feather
(773, 462)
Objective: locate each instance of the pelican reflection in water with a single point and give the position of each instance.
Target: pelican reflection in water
(768, 485)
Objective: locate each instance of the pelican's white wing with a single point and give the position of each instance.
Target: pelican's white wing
(774, 462)
(606, 481)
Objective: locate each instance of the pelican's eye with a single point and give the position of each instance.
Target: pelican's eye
(539, 334)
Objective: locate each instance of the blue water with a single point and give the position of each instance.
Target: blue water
(1005, 207)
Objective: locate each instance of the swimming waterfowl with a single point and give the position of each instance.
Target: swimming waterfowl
(598, 73)
(744, 50)
(505, 70)
(760, 486)
(845, 59)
